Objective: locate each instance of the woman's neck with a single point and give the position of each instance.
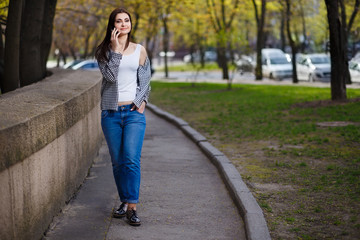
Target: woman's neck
(123, 40)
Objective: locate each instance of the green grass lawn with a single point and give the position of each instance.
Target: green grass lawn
(305, 177)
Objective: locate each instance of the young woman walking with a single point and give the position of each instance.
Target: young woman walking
(124, 93)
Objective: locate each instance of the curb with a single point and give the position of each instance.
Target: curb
(255, 224)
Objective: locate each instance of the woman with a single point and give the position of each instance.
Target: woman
(124, 94)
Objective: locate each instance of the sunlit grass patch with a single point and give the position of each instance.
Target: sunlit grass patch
(272, 135)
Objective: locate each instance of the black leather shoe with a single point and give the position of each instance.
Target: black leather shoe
(121, 212)
(134, 220)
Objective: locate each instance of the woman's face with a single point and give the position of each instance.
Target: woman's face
(123, 23)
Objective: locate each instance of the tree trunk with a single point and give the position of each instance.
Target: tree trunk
(148, 50)
(31, 60)
(1, 59)
(337, 51)
(1, 45)
(260, 22)
(305, 41)
(86, 46)
(12, 47)
(137, 20)
(221, 53)
(63, 55)
(258, 68)
(344, 35)
(166, 46)
(291, 41)
(282, 31)
(73, 52)
(46, 34)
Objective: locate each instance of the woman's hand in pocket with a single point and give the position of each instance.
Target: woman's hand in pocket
(141, 109)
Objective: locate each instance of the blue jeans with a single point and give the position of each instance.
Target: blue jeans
(124, 132)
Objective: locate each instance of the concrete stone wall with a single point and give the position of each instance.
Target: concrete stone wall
(49, 134)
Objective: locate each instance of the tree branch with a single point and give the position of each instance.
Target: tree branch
(353, 15)
(223, 13)
(212, 17)
(343, 15)
(232, 14)
(256, 12)
(216, 16)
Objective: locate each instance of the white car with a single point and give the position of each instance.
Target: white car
(91, 65)
(69, 65)
(275, 64)
(314, 67)
(354, 68)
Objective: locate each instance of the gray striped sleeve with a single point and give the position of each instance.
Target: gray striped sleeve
(110, 69)
(144, 76)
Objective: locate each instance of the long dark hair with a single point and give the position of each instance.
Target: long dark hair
(104, 47)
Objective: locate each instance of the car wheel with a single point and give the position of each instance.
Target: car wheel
(311, 78)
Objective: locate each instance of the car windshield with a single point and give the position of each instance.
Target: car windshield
(279, 61)
(320, 60)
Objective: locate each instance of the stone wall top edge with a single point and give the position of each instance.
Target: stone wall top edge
(33, 116)
(30, 101)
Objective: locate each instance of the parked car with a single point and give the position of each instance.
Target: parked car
(354, 68)
(169, 54)
(275, 64)
(86, 65)
(245, 64)
(314, 67)
(209, 56)
(72, 63)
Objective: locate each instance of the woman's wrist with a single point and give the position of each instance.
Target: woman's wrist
(115, 51)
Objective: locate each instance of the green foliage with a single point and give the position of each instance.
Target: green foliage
(4, 4)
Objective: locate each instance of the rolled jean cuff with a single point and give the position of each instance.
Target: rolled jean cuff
(130, 201)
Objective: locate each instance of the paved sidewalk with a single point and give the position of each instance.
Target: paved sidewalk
(182, 195)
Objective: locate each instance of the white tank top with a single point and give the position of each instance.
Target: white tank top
(127, 77)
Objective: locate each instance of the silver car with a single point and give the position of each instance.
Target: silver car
(275, 64)
(314, 67)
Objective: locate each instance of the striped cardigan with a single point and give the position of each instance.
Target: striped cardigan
(109, 87)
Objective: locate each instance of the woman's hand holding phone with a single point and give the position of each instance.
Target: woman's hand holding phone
(115, 45)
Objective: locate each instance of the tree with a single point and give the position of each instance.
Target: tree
(260, 22)
(35, 41)
(28, 41)
(339, 30)
(291, 40)
(4, 5)
(46, 38)
(166, 7)
(222, 16)
(194, 33)
(150, 26)
(12, 49)
(303, 21)
(88, 18)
